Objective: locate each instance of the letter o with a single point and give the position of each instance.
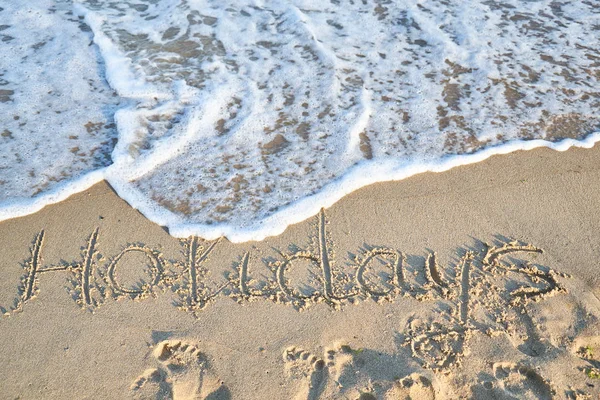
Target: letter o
(156, 269)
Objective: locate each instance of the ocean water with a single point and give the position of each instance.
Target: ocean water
(241, 117)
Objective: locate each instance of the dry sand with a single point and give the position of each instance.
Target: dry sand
(432, 287)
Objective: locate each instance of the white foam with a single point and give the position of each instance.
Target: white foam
(56, 110)
(358, 177)
(241, 119)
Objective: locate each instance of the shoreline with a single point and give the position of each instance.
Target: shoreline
(361, 294)
(356, 178)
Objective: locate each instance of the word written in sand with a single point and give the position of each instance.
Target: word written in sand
(491, 280)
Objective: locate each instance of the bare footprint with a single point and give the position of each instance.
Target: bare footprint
(182, 375)
(326, 377)
(412, 387)
(342, 364)
(301, 364)
(152, 384)
(520, 382)
(350, 373)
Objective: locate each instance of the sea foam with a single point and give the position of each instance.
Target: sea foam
(240, 118)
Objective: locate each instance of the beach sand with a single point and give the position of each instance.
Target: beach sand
(432, 287)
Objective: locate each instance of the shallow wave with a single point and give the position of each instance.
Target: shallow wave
(242, 118)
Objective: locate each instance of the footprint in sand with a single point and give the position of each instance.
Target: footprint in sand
(343, 365)
(324, 377)
(309, 369)
(152, 384)
(412, 387)
(342, 373)
(182, 374)
(517, 382)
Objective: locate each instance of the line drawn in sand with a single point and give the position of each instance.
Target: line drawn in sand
(486, 292)
(183, 373)
(142, 289)
(193, 292)
(488, 297)
(333, 284)
(84, 284)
